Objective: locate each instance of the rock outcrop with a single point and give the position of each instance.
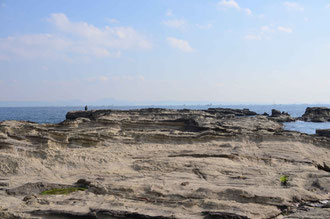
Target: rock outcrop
(279, 116)
(316, 114)
(159, 163)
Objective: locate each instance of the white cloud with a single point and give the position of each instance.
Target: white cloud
(233, 4)
(179, 44)
(229, 4)
(252, 37)
(266, 32)
(284, 29)
(112, 20)
(204, 26)
(73, 40)
(118, 37)
(175, 23)
(294, 6)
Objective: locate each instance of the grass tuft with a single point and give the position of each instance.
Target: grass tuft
(284, 180)
(63, 191)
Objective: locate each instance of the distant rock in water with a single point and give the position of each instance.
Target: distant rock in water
(316, 114)
(276, 113)
(279, 116)
(228, 111)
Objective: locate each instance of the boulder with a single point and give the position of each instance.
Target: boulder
(316, 114)
(279, 116)
(276, 113)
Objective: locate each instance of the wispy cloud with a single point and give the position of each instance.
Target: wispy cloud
(112, 20)
(72, 40)
(293, 6)
(284, 29)
(266, 32)
(175, 23)
(182, 45)
(233, 4)
(229, 4)
(204, 26)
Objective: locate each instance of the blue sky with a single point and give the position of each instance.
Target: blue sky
(217, 51)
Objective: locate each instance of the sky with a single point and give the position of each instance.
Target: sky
(168, 51)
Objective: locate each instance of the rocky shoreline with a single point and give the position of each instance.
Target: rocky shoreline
(161, 163)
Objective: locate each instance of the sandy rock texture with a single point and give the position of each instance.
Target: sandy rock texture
(158, 163)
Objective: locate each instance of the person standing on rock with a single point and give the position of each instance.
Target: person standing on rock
(86, 108)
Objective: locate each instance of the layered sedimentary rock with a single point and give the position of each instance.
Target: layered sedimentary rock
(157, 163)
(316, 114)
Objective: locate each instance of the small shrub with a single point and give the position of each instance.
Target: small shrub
(63, 191)
(284, 180)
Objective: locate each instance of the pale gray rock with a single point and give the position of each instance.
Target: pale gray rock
(160, 163)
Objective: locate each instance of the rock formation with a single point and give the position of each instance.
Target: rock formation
(279, 116)
(316, 114)
(158, 163)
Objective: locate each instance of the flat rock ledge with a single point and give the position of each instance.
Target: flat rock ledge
(163, 164)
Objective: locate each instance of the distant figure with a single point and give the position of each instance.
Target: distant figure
(86, 108)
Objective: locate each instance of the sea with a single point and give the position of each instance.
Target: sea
(57, 114)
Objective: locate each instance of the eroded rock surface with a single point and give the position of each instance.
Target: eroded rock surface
(157, 163)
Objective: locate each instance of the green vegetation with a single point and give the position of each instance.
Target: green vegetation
(63, 191)
(284, 180)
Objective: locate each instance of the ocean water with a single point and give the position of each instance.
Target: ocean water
(57, 114)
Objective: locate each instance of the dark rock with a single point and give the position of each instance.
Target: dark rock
(279, 116)
(3, 184)
(323, 132)
(326, 205)
(324, 167)
(83, 183)
(98, 190)
(222, 215)
(316, 114)
(189, 124)
(276, 113)
(228, 111)
(94, 214)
